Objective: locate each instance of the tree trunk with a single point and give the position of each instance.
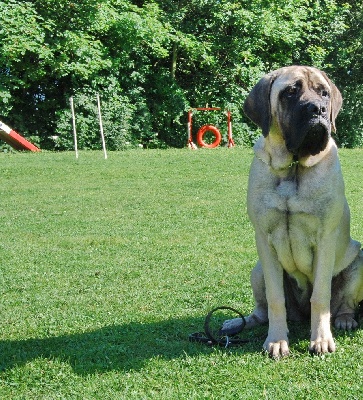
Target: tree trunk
(174, 58)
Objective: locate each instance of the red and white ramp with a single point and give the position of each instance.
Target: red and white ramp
(15, 140)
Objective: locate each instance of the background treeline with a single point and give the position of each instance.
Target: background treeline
(152, 60)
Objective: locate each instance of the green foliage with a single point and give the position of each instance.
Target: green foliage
(346, 61)
(163, 57)
(117, 113)
(21, 46)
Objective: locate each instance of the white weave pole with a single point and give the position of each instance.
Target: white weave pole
(74, 127)
(101, 126)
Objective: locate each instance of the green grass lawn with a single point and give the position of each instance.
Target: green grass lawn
(106, 267)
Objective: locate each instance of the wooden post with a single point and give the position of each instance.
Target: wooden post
(101, 127)
(74, 127)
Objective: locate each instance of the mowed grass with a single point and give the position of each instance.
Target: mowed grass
(108, 265)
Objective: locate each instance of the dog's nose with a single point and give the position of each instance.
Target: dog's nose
(317, 109)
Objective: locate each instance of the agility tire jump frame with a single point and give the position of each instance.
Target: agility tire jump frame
(15, 140)
(208, 128)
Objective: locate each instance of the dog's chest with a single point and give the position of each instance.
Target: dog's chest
(293, 226)
(287, 188)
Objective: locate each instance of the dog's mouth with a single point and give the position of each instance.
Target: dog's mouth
(314, 141)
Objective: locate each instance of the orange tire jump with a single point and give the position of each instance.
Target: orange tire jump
(216, 133)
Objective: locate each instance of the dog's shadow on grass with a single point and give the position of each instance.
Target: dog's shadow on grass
(128, 347)
(119, 347)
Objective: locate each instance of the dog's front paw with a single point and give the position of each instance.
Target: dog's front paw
(345, 322)
(322, 345)
(276, 349)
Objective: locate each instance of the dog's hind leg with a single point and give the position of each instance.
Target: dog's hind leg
(347, 293)
(259, 315)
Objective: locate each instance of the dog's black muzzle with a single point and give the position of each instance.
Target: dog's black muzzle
(311, 131)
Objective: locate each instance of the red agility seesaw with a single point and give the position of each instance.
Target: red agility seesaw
(15, 140)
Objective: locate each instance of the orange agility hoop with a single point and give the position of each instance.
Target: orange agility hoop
(209, 128)
(206, 128)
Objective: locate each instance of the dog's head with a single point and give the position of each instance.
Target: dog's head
(301, 103)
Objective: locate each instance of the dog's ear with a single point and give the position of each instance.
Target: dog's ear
(336, 101)
(257, 106)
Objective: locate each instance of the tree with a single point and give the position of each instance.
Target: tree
(152, 60)
(66, 48)
(345, 62)
(224, 47)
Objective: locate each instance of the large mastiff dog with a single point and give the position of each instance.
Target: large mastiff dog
(308, 264)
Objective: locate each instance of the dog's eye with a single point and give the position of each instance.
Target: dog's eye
(291, 90)
(325, 93)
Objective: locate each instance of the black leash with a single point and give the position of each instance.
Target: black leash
(221, 339)
(230, 337)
